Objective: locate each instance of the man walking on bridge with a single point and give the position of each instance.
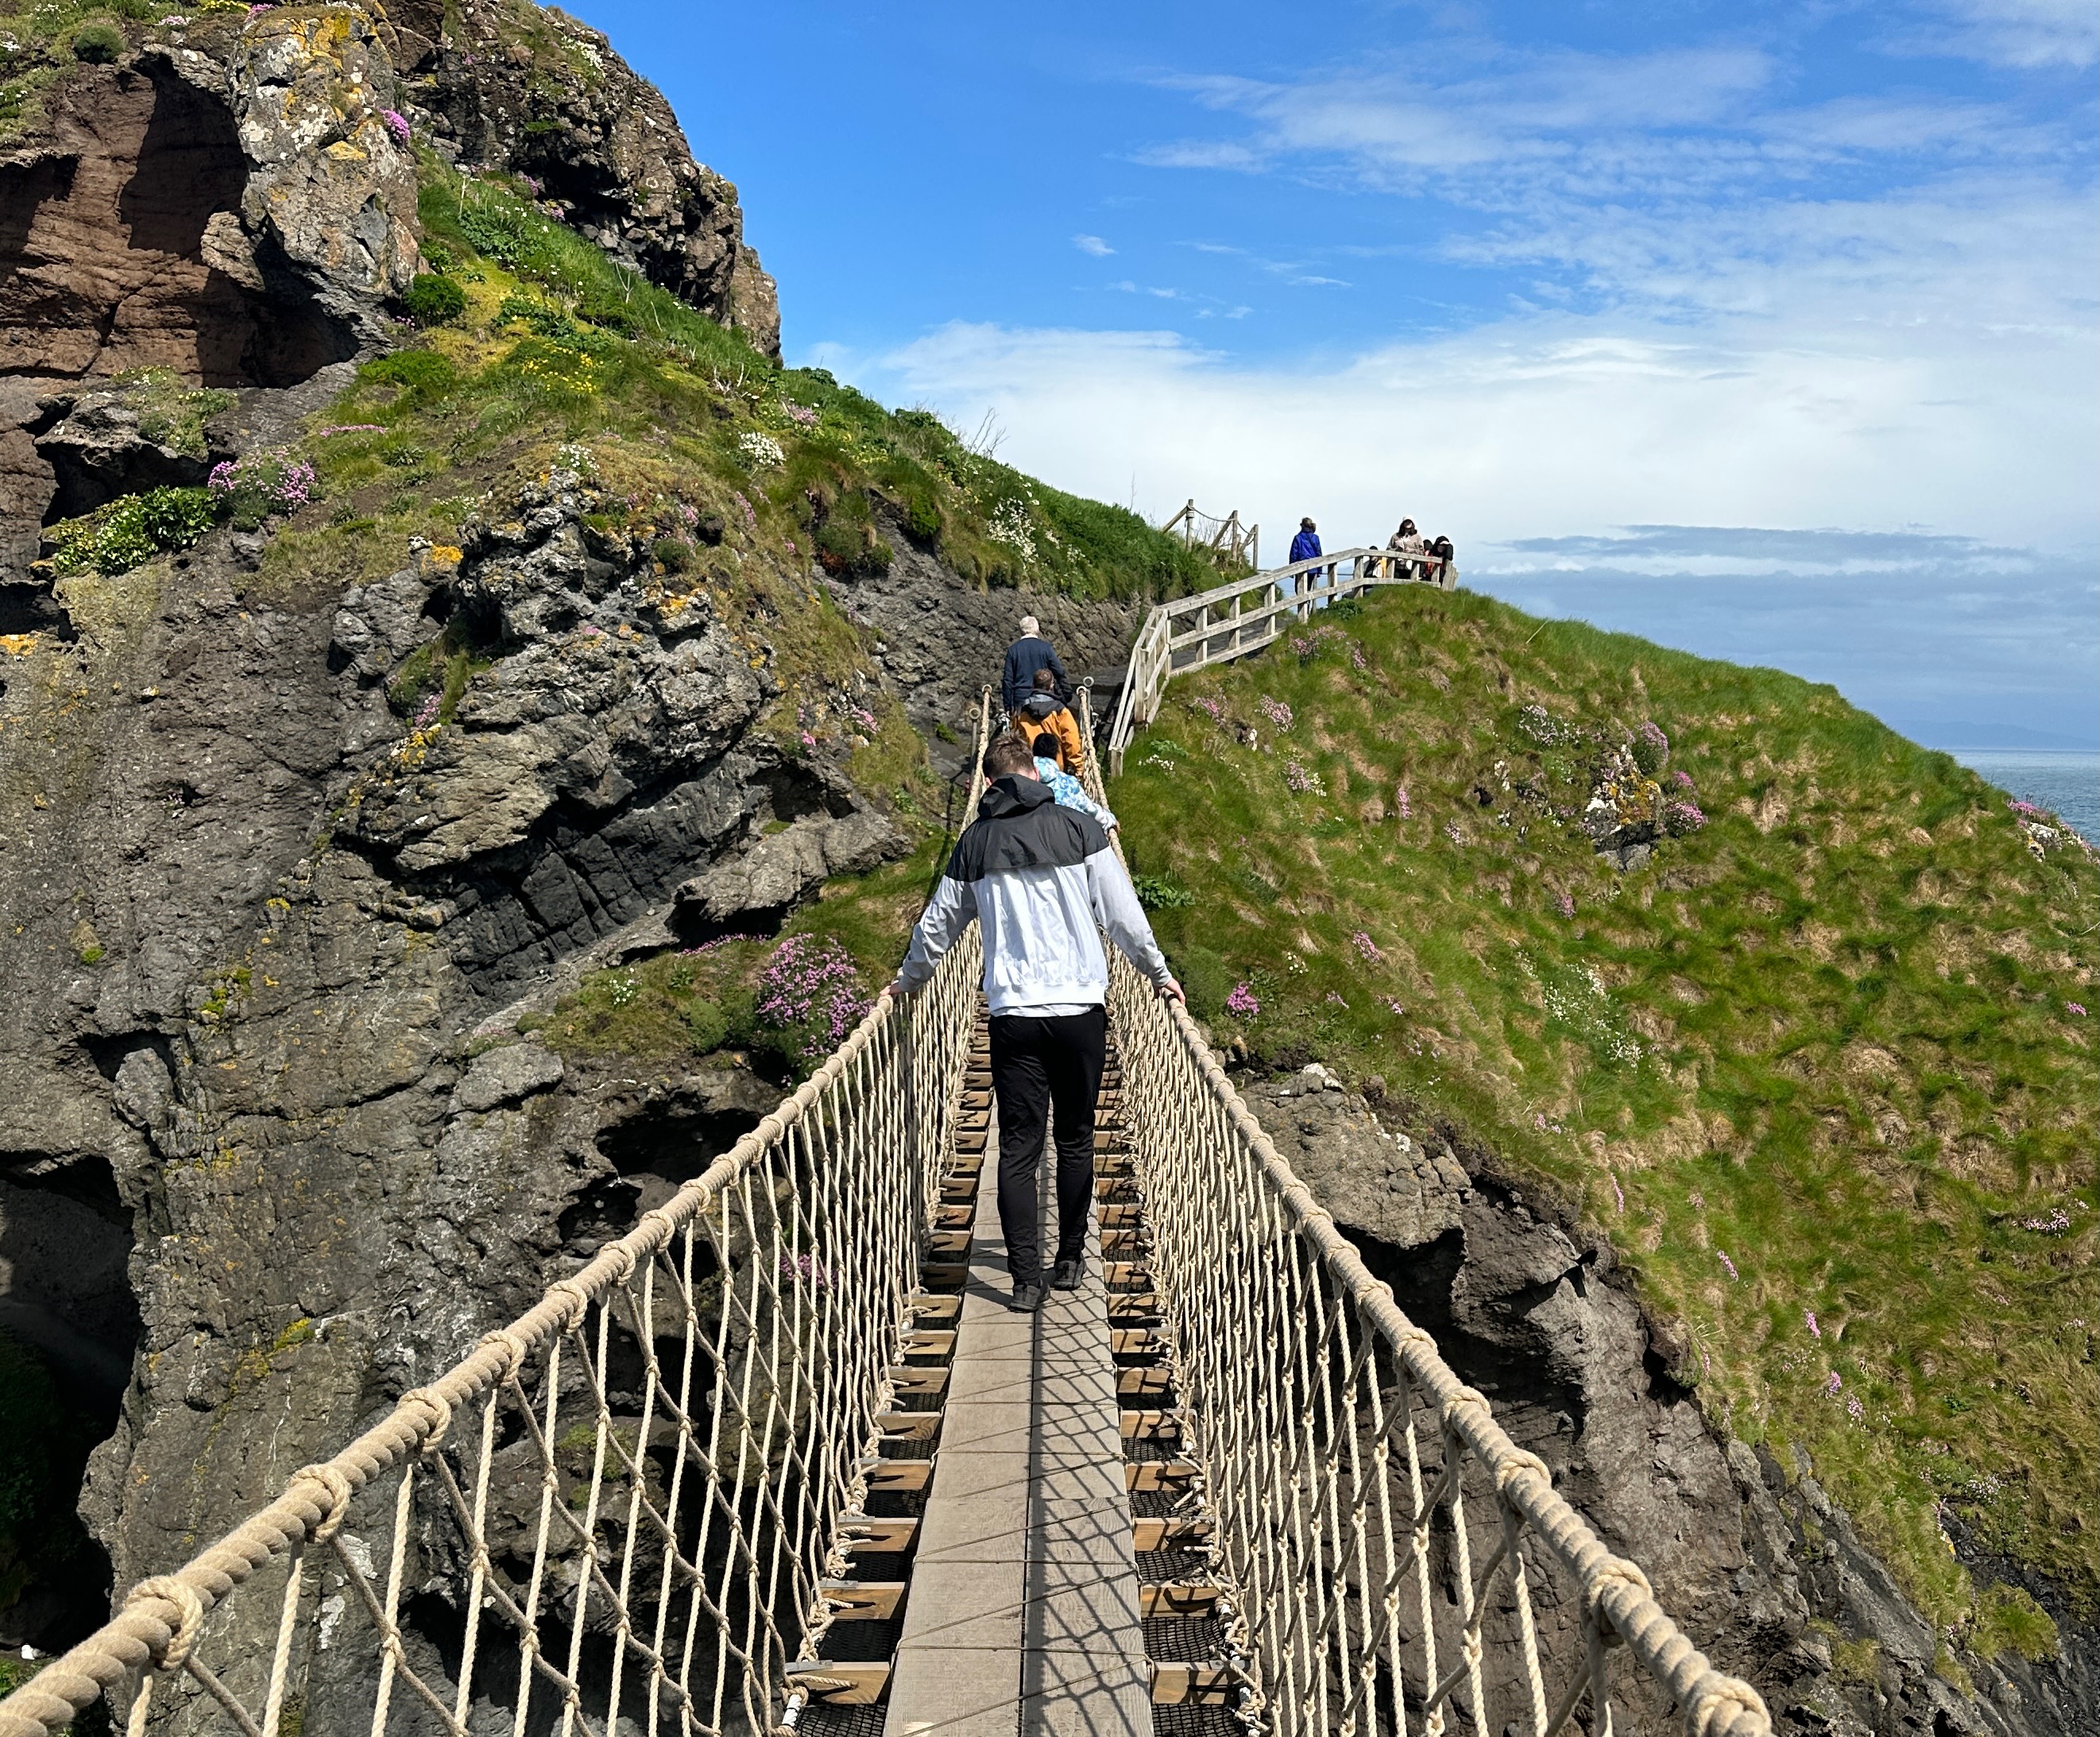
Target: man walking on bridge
(1026, 655)
(1044, 882)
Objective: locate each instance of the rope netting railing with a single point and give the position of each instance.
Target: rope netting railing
(619, 1512)
(1401, 1565)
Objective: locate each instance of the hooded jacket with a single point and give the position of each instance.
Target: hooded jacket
(1045, 712)
(1044, 882)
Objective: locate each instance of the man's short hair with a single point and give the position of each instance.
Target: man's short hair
(1007, 756)
(1045, 746)
(1030, 627)
(1045, 682)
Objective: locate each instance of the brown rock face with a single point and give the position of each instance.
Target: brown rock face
(102, 264)
(239, 233)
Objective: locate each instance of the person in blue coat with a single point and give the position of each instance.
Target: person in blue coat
(1024, 657)
(1305, 546)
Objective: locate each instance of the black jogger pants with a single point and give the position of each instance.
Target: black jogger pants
(1039, 1064)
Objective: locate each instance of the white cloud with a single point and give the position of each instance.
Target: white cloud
(1093, 244)
(2031, 33)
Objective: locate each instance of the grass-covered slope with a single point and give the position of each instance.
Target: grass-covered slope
(1821, 1068)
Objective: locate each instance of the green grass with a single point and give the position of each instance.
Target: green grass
(1829, 1036)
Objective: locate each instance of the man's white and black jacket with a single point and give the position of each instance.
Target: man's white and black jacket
(1045, 884)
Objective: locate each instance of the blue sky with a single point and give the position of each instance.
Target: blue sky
(1770, 332)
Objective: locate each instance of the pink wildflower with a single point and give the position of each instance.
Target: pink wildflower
(1812, 1327)
(1241, 1003)
(1833, 1383)
(396, 123)
(1367, 949)
(1400, 802)
(1618, 1193)
(1730, 1265)
(2076, 1009)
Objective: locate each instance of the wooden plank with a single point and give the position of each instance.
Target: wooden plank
(1134, 1308)
(955, 1216)
(1151, 1426)
(925, 1306)
(943, 1275)
(1173, 1599)
(828, 1684)
(897, 1477)
(929, 1342)
(879, 1537)
(1170, 1533)
(1194, 1685)
(863, 1601)
(1118, 1272)
(1136, 1342)
(948, 1244)
(919, 1382)
(1143, 1384)
(1157, 1477)
(908, 1425)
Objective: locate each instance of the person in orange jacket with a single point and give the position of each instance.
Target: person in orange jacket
(1043, 713)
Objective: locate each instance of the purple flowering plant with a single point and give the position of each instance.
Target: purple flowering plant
(810, 993)
(396, 123)
(1241, 1003)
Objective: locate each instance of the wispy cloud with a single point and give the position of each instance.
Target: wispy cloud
(2028, 33)
(1093, 244)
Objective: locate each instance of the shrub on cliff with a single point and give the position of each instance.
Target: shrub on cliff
(131, 530)
(98, 42)
(434, 300)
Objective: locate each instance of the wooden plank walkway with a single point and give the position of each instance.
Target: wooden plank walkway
(1024, 1610)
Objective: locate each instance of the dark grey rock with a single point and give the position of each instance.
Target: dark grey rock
(505, 1075)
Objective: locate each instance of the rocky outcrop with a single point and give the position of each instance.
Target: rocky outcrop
(508, 86)
(1750, 1557)
(232, 208)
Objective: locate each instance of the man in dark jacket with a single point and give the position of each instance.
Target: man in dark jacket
(1044, 882)
(1024, 657)
(1305, 546)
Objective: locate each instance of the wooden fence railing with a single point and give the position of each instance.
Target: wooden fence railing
(1235, 545)
(1215, 626)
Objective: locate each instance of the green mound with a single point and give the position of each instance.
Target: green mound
(1820, 1067)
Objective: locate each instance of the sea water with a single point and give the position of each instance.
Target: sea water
(2068, 782)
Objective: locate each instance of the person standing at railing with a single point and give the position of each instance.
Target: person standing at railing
(1407, 541)
(1026, 658)
(1305, 546)
(1045, 884)
(1042, 713)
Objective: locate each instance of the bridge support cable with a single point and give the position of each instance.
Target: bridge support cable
(1230, 620)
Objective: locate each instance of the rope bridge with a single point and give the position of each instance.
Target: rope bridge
(632, 1509)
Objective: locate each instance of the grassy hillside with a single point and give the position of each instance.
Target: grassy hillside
(1821, 1068)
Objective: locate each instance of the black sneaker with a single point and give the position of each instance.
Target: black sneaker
(1070, 1275)
(1027, 1299)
